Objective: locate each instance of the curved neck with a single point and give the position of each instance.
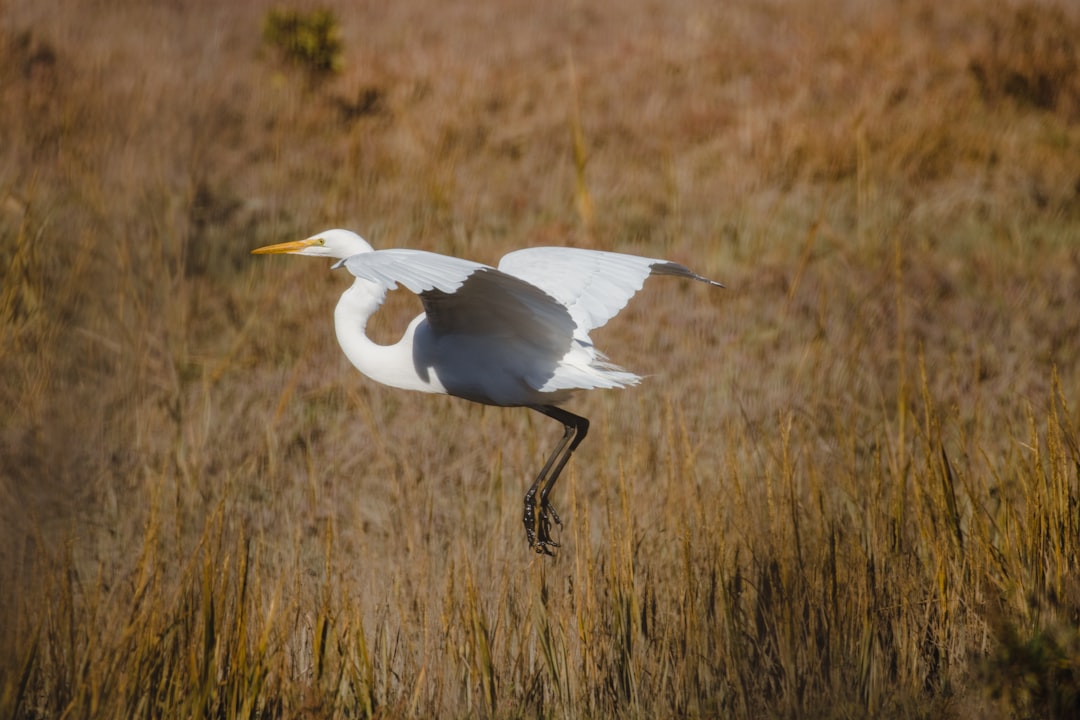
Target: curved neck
(391, 365)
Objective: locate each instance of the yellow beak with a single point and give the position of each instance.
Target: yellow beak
(286, 247)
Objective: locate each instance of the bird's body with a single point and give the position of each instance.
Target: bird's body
(516, 335)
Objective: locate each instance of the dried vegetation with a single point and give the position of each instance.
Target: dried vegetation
(849, 487)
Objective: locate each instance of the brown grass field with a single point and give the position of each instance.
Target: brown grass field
(849, 488)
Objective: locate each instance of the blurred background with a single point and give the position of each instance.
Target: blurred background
(848, 486)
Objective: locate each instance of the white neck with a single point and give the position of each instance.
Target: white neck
(388, 364)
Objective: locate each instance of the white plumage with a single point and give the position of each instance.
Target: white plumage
(516, 335)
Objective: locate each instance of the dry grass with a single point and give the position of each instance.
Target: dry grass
(849, 487)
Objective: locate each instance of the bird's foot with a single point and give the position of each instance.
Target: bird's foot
(538, 530)
(544, 541)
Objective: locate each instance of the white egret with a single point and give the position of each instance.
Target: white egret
(516, 335)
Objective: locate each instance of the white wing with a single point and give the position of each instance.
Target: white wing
(478, 307)
(593, 285)
(465, 297)
(415, 269)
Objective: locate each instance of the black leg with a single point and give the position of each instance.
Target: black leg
(538, 529)
(530, 496)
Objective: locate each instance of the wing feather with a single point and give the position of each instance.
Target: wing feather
(592, 284)
(503, 313)
(417, 270)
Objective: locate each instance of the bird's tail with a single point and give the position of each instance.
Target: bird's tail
(586, 368)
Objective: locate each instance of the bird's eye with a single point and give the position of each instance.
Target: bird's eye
(321, 241)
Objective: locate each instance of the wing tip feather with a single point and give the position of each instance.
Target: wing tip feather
(676, 270)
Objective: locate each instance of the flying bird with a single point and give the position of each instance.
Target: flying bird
(515, 336)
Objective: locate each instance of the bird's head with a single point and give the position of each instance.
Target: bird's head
(338, 244)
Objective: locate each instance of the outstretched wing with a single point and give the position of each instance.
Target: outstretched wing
(466, 298)
(417, 270)
(593, 285)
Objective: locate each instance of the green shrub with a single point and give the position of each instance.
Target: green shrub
(308, 40)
